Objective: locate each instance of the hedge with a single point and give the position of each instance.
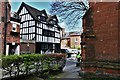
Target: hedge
(25, 64)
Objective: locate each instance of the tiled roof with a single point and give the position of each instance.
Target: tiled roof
(35, 13)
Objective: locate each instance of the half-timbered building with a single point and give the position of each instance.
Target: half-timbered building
(39, 32)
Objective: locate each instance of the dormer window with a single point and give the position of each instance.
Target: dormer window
(54, 19)
(39, 17)
(42, 18)
(43, 14)
(52, 22)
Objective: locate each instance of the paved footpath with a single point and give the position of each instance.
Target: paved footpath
(70, 70)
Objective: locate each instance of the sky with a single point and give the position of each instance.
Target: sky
(38, 5)
(42, 5)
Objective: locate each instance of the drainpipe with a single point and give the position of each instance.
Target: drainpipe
(5, 27)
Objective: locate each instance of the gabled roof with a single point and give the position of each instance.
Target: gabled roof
(33, 11)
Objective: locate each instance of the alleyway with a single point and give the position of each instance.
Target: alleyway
(70, 70)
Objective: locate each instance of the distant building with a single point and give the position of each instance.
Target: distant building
(75, 40)
(39, 32)
(65, 42)
(9, 30)
(101, 38)
(71, 40)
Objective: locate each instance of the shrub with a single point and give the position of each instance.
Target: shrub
(31, 63)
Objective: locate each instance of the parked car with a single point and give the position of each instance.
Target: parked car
(48, 52)
(74, 51)
(65, 51)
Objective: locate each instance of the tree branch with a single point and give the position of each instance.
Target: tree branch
(70, 12)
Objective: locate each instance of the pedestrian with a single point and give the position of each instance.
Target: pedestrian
(78, 56)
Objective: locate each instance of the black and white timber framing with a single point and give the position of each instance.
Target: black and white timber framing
(39, 27)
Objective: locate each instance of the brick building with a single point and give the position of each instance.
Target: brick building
(9, 29)
(101, 38)
(71, 40)
(75, 40)
(13, 35)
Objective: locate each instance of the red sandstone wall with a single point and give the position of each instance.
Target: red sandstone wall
(119, 31)
(106, 30)
(104, 19)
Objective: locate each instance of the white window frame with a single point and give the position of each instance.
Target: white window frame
(76, 39)
(0, 19)
(43, 14)
(14, 26)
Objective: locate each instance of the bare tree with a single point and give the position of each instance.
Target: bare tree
(69, 12)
